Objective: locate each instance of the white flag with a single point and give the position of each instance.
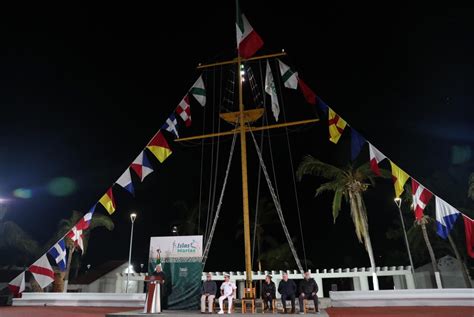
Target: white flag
(270, 89)
(42, 271)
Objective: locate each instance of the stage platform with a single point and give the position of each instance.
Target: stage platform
(331, 312)
(191, 313)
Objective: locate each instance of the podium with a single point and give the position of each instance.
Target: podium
(153, 299)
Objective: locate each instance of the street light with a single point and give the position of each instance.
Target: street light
(398, 202)
(133, 216)
(174, 230)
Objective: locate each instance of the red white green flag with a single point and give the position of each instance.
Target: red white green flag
(291, 80)
(248, 41)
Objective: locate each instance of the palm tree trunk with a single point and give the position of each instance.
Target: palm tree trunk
(35, 287)
(368, 246)
(434, 264)
(68, 267)
(360, 212)
(465, 275)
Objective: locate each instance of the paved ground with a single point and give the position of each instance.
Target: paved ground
(402, 311)
(51, 311)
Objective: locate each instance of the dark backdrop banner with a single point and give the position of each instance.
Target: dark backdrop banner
(180, 257)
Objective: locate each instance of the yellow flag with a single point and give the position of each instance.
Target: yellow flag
(159, 147)
(399, 178)
(108, 201)
(336, 126)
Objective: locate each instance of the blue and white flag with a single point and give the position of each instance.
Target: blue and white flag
(126, 181)
(446, 216)
(58, 252)
(171, 124)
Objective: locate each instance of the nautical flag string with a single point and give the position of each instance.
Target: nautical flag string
(184, 110)
(159, 147)
(58, 252)
(125, 181)
(421, 198)
(17, 285)
(375, 158)
(446, 216)
(42, 271)
(336, 126)
(171, 125)
(141, 166)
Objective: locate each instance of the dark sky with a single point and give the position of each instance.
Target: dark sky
(83, 89)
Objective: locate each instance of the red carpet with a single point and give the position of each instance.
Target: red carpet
(402, 311)
(59, 311)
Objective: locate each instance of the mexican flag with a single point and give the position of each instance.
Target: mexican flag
(248, 41)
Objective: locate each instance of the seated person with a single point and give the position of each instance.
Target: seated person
(208, 292)
(227, 291)
(287, 289)
(308, 290)
(268, 293)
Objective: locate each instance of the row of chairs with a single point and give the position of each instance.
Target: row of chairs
(250, 301)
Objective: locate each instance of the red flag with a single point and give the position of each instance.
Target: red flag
(308, 94)
(421, 197)
(375, 158)
(469, 228)
(17, 285)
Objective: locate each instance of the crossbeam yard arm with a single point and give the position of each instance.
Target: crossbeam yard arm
(247, 129)
(242, 60)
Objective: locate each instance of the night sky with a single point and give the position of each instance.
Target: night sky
(83, 89)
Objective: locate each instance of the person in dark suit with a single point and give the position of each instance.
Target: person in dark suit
(308, 289)
(268, 293)
(287, 289)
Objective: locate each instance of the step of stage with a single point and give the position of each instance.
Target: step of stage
(408, 297)
(81, 299)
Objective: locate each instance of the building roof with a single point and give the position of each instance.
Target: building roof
(96, 273)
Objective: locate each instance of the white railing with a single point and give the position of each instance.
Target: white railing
(402, 276)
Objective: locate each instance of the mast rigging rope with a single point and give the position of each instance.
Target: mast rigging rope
(292, 171)
(219, 205)
(277, 204)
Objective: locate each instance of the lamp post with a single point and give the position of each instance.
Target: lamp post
(133, 216)
(398, 202)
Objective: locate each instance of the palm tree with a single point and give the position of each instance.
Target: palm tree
(422, 223)
(348, 183)
(98, 220)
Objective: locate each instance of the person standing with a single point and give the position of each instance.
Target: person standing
(287, 289)
(308, 289)
(268, 293)
(227, 291)
(208, 292)
(161, 283)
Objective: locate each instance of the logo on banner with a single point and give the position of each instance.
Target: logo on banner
(186, 248)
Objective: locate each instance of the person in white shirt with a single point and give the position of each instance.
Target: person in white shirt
(227, 291)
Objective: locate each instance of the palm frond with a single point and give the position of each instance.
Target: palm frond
(12, 236)
(327, 187)
(100, 220)
(312, 166)
(336, 203)
(364, 172)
